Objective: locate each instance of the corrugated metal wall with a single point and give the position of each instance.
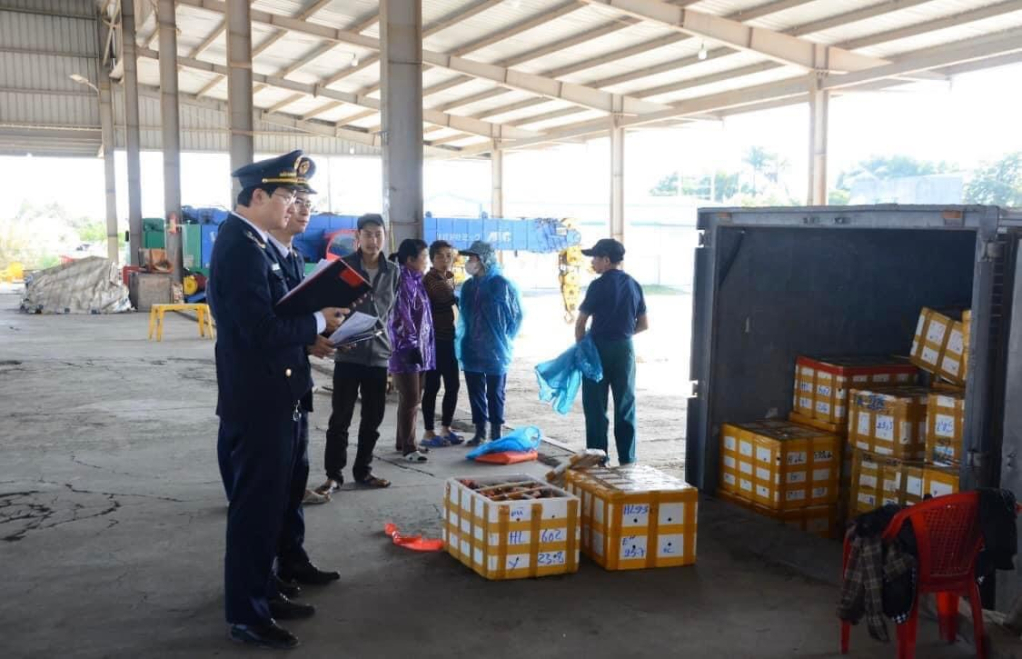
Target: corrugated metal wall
(43, 111)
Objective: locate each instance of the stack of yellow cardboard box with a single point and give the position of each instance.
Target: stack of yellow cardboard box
(862, 433)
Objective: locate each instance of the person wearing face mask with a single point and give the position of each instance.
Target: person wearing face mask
(490, 317)
(411, 335)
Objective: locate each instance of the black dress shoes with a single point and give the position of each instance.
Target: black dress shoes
(308, 575)
(284, 609)
(270, 635)
(288, 589)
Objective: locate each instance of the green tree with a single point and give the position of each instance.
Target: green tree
(760, 161)
(998, 184)
(667, 187)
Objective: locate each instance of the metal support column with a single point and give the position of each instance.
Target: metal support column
(132, 139)
(617, 183)
(819, 110)
(497, 183)
(169, 116)
(401, 64)
(106, 121)
(239, 84)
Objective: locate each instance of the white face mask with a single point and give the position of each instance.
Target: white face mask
(472, 268)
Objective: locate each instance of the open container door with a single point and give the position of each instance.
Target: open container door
(772, 284)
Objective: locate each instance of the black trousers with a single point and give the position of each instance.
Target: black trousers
(350, 381)
(256, 459)
(292, 538)
(447, 370)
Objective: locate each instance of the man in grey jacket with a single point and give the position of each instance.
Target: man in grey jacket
(362, 369)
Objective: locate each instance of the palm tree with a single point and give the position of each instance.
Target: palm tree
(758, 159)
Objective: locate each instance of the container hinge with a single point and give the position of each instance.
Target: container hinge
(810, 219)
(976, 459)
(693, 389)
(993, 250)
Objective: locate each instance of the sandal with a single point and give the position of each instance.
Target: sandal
(373, 481)
(454, 438)
(416, 456)
(327, 488)
(435, 442)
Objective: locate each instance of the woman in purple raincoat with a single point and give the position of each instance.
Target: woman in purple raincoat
(411, 335)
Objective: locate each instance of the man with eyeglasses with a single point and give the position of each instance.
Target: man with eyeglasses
(263, 374)
(293, 564)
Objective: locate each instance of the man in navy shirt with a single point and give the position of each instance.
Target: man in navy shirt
(617, 308)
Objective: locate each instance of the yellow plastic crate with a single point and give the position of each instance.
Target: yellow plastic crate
(945, 427)
(889, 421)
(822, 386)
(512, 539)
(879, 480)
(780, 465)
(636, 517)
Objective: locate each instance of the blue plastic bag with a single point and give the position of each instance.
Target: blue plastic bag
(561, 378)
(522, 439)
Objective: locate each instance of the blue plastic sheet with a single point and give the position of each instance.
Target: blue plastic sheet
(490, 317)
(561, 378)
(522, 439)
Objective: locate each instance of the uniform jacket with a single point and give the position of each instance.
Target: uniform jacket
(379, 302)
(411, 326)
(293, 267)
(261, 364)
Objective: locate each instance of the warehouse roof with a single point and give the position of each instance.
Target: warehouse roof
(526, 73)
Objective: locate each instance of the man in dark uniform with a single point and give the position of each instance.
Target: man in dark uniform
(293, 564)
(262, 376)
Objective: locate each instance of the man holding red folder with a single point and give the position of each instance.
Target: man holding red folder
(262, 376)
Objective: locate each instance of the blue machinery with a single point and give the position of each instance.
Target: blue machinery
(534, 236)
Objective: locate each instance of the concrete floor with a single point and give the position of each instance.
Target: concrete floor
(112, 526)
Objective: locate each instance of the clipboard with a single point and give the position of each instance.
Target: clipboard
(359, 338)
(332, 284)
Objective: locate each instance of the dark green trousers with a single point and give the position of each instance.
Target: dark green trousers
(618, 359)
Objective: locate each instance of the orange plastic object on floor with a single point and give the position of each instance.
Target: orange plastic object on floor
(508, 457)
(413, 542)
(948, 539)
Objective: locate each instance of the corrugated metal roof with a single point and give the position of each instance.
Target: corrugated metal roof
(563, 41)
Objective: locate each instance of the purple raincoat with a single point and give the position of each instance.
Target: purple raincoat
(411, 325)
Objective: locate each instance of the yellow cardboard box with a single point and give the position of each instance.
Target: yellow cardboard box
(889, 421)
(779, 464)
(941, 343)
(822, 386)
(636, 517)
(879, 480)
(945, 427)
(512, 539)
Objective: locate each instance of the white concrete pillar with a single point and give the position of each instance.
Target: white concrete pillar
(819, 111)
(497, 183)
(617, 183)
(106, 122)
(401, 102)
(132, 138)
(239, 86)
(170, 118)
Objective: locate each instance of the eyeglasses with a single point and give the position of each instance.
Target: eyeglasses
(289, 199)
(304, 203)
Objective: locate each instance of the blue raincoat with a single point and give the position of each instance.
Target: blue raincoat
(561, 378)
(490, 317)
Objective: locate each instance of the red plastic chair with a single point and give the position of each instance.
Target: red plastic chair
(948, 539)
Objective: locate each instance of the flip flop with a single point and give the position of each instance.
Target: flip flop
(373, 481)
(454, 438)
(416, 456)
(435, 442)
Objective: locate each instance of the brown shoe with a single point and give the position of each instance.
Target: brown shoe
(328, 488)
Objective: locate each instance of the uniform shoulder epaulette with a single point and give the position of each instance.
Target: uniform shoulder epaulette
(254, 238)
